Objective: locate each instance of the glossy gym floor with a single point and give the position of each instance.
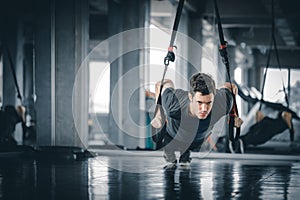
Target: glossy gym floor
(112, 174)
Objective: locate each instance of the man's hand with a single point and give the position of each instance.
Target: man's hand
(238, 122)
(159, 118)
(231, 87)
(259, 116)
(156, 122)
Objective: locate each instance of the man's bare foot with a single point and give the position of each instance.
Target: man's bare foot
(259, 116)
(287, 117)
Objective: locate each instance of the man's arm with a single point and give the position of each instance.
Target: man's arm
(224, 96)
(157, 121)
(233, 89)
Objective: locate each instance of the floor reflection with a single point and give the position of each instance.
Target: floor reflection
(101, 178)
(181, 184)
(205, 179)
(30, 179)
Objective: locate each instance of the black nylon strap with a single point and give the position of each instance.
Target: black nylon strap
(265, 75)
(223, 52)
(170, 55)
(220, 29)
(176, 22)
(273, 43)
(279, 65)
(291, 130)
(13, 73)
(156, 134)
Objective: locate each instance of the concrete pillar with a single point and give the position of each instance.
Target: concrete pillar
(45, 71)
(81, 87)
(70, 49)
(125, 70)
(132, 18)
(61, 45)
(194, 53)
(114, 27)
(255, 76)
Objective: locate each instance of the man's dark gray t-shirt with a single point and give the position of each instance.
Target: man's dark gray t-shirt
(185, 128)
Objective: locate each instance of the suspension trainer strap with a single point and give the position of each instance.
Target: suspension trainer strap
(279, 65)
(169, 57)
(276, 52)
(13, 73)
(223, 52)
(274, 44)
(265, 76)
(291, 130)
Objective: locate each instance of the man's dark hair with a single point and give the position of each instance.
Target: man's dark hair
(203, 83)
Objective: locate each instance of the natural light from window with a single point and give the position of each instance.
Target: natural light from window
(273, 90)
(99, 87)
(238, 80)
(158, 42)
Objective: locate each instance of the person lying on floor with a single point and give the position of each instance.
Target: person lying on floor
(259, 133)
(9, 118)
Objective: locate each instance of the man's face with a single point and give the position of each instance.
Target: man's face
(201, 105)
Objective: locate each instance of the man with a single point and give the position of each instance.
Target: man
(266, 128)
(189, 116)
(9, 117)
(263, 130)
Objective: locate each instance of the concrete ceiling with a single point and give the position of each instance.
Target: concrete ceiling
(246, 23)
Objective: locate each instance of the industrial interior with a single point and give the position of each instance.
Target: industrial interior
(84, 73)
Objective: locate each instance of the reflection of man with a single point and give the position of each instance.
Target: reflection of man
(191, 115)
(9, 117)
(187, 186)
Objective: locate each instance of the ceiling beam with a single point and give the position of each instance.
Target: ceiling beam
(287, 58)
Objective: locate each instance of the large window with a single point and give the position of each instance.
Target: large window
(99, 87)
(238, 79)
(274, 85)
(295, 91)
(157, 54)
